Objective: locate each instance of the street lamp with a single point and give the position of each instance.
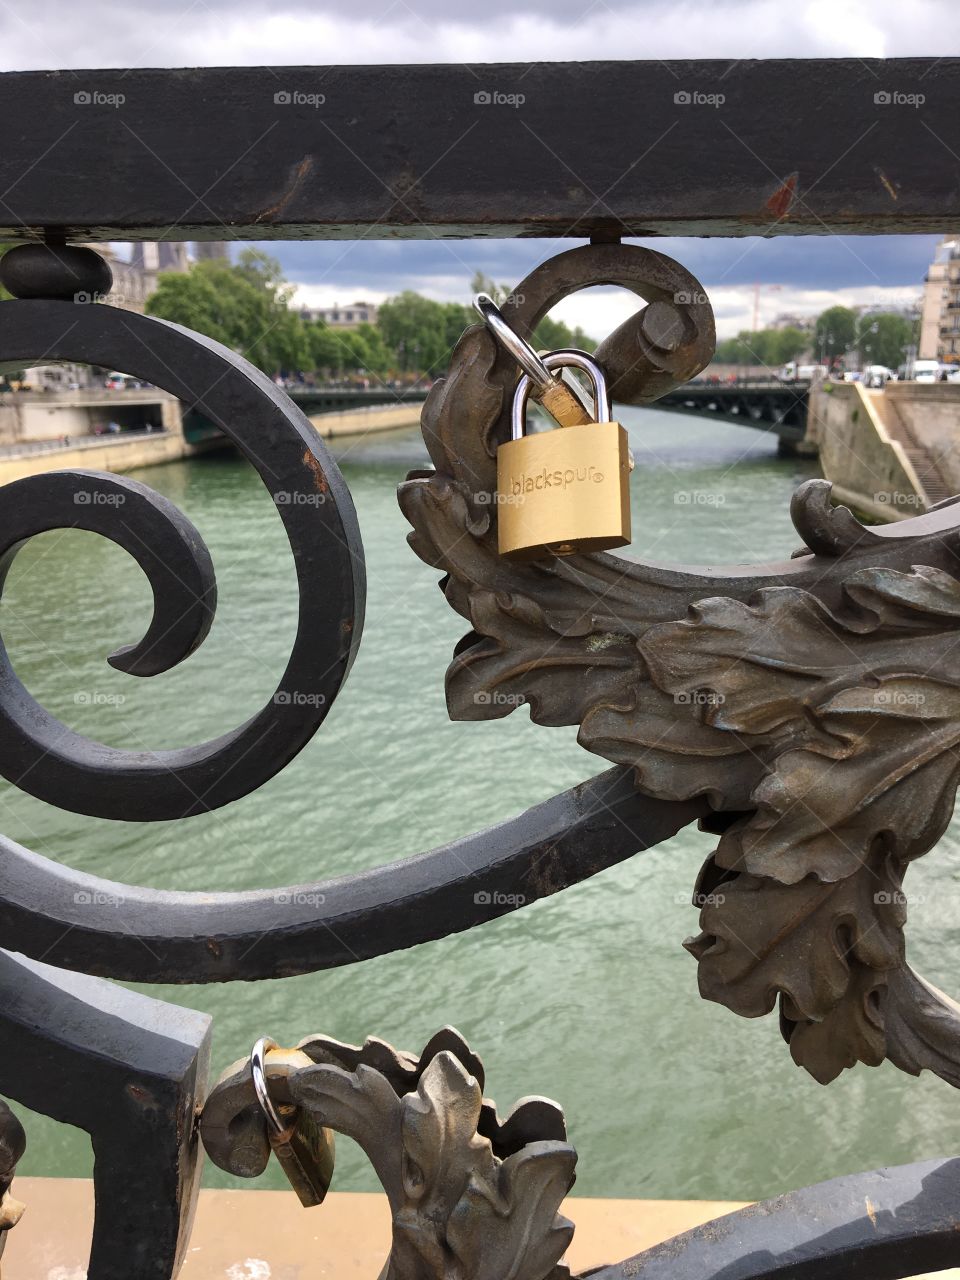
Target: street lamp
(858, 334)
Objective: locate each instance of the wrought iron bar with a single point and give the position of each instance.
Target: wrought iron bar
(734, 696)
(268, 159)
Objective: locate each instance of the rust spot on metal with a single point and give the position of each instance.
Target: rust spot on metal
(301, 171)
(780, 202)
(143, 1097)
(888, 186)
(312, 465)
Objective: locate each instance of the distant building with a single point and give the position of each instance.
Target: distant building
(907, 310)
(212, 250)
(788, 321)
(940, 318)
(338, 317)
(154, 256)
(131, 285)
(135, 278)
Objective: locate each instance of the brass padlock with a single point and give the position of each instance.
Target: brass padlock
(564, 491)
(304, 1149)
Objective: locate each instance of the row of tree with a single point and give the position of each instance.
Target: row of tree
(838, 334)
(246, 306)
(880, 338)
(771, 347)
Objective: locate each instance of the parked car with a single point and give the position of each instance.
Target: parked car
(878, 375)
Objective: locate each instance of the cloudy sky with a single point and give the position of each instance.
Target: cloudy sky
(801, 274)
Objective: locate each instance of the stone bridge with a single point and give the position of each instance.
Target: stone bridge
(765, 404)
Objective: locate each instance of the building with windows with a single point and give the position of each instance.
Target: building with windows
(940, 321)
(346, 317)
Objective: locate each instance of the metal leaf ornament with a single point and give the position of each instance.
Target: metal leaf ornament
(814, 702)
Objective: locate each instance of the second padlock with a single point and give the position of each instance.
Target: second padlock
(568, 490)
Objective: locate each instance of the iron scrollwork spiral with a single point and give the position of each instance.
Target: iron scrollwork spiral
(130, 1071)
(45, 757)
(156, 936)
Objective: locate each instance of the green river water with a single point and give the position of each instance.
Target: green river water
(587, 997)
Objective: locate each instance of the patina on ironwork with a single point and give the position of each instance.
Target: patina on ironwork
(805, 711)
(471, 1195)
(814, 705)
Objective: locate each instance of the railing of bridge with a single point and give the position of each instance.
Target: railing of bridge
(33, 448)
(704, 689)
(749, 380)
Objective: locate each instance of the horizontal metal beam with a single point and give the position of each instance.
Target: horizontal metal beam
(882, 1225)
(550, 149)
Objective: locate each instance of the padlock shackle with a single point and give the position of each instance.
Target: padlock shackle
(258, 1073)
(567, 357)
(529, 360)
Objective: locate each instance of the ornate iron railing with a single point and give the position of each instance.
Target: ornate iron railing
(806, 711)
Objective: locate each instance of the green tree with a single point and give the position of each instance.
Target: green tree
(886, 338)
(835, 332)
(420, 333)
(377, 358)
(265, 272)
(244, 306)
(790, 343)
(486, 284)
(763, 343)
(772, 347)
(727, 351)
(748, 348)
(550, 333)
(339, 351)
(356, 355)
(326, 354)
